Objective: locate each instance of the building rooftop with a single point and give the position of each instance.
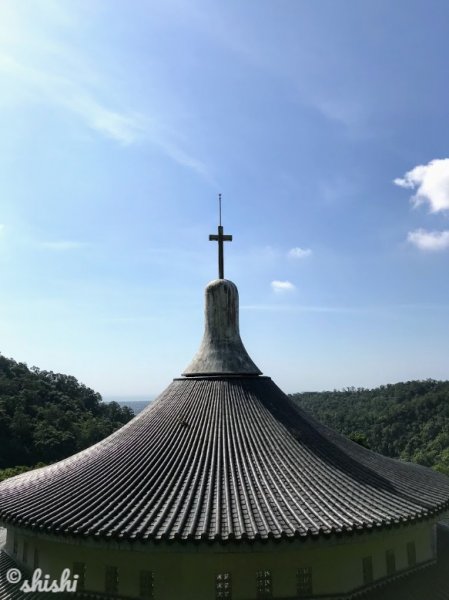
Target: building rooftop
(223, 454)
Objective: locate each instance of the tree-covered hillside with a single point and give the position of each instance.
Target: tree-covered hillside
(46, 416)
(403, 420)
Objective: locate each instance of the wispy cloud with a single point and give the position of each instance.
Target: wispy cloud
(62, 245)
(129, 320)
(75, 84)
(180, 156)
(383, 310)
(298, 253)
(432, 241)
(343, 110)
(71, 94)
(301, 308)
(431, 183)
(282, 286)
(124, 127)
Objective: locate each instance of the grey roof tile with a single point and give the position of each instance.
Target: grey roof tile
(222, 458)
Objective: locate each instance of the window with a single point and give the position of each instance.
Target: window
(411, 554)
(79, 568)
(25, 552)
(36, 559)
(111, 580)
(147, 585)
(391, 562)
(304, 581)
(264, 587)
(223, 586)
(367, 565)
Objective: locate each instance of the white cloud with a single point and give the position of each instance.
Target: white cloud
(62, 245)
(429, 240)
(431, 183)
(282, 286)
(299, 252)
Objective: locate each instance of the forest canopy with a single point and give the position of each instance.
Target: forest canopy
(46, 416)
(408, 420)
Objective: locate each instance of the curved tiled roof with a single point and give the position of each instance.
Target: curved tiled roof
(222, 458)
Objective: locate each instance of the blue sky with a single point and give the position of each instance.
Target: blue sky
(324, 124)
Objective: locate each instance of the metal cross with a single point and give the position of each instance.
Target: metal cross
(220, 238)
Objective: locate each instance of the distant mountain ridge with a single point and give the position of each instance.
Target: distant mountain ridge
(136, 406)
(135, 403)
(407, 420)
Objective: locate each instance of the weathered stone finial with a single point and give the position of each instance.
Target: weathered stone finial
(222, 351)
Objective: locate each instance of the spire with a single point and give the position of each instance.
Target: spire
(220, 238)
(222, 351)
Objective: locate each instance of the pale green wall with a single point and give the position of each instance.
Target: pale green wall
(188, 572)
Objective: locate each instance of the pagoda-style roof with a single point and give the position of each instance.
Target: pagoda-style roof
(222, 454)
(222, 458)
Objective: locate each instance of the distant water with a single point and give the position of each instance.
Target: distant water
(136, 403)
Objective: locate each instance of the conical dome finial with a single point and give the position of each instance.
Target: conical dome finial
(222, 351)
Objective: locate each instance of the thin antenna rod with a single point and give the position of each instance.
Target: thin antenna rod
(219, 208)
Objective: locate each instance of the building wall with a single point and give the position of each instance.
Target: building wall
(188, 572)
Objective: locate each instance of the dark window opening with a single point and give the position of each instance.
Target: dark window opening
(411, 554)
(111, 580)
(367, 563)
(391, 562)
(304, 585)
(264, 585)
(147, 585)
(223, 586)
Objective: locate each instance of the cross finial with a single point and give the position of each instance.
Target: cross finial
(220, 238)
